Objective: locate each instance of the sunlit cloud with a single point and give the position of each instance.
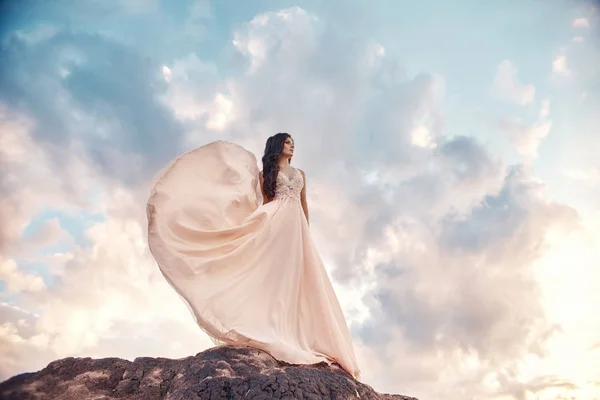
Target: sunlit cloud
(559, 65)
(581, 23)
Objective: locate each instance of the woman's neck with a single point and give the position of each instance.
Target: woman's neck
(284, 162)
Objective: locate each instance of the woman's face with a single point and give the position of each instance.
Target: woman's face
(288, 147)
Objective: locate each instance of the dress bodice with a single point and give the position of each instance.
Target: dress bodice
(289, 187)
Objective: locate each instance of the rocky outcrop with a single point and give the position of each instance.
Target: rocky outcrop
(219, 373)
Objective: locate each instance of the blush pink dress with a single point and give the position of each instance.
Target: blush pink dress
(249, 272)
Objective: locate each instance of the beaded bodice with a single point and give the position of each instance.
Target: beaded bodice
(289, 187)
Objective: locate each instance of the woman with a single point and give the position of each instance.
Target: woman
(235, 244)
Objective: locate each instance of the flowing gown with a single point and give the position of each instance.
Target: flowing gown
(249, 272)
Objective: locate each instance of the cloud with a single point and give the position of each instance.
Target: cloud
(78, 93)
(20, 347)
(581, 23)
(191, 83)
(559, 65)
(81, 116)
(527, 139)
(125, 282)
(23, 182)
(507, 86)
(454, 178)
(19, 281)
(464, 290)
(293, 25)
(537, 386)
(95, 303)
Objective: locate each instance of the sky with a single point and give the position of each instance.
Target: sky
(451, 153)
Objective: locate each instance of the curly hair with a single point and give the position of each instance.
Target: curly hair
(273, 149)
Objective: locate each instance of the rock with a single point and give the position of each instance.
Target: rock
(225, 372)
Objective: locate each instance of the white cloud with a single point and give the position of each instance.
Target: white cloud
(581, 23)
(166, 71)
(104, 298)
(291, 30)
(451, 294)
(527, 139)
(220, 114)
(420, 137)
(22, 181)
(559, 65)
(190, 89)
(507, 86)
(18, 281)
(577, 250)
(578, 39)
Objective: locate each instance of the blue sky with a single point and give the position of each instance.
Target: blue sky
(451, 151)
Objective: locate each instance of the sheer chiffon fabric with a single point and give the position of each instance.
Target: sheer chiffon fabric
(249, 273)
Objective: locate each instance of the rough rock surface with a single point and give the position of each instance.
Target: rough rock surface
(219, 373)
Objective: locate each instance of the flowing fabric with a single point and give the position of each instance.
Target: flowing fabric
(249, 272)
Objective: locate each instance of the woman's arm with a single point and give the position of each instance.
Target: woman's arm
(303, 197)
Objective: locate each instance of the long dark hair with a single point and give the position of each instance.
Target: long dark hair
(273, 149)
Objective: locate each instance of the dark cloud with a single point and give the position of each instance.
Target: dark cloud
(456, 176)
(89, 89)
(517, 212)
(473, 288)
(467, 160)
